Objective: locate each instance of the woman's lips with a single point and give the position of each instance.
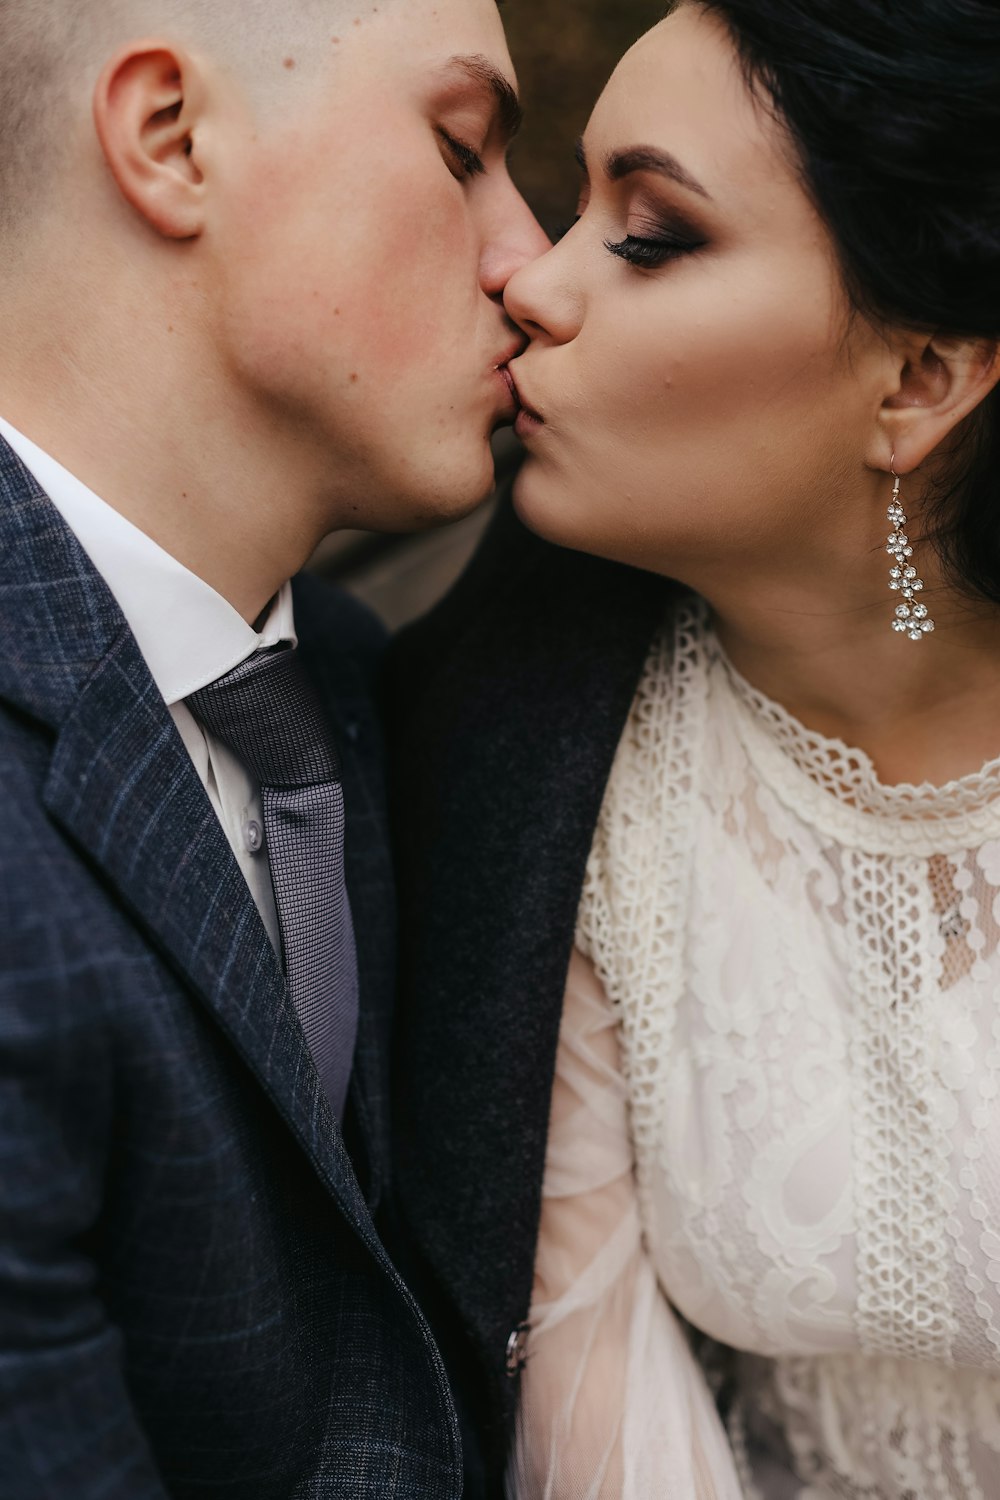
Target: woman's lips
(528, 420)
(527, 424)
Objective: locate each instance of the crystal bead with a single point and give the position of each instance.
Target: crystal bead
(920, 611)
(894, 583)
(895, 572)
(910, 571)
(907, 593)
(927, 626)
(898, 625)
(915, 634)
(903, 611)
(918, 584)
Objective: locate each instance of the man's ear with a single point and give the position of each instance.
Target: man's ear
(146, 107)
(941, 381)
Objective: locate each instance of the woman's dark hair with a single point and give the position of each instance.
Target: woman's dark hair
(894, 106)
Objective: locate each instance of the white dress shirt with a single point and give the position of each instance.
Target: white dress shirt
(189, 636)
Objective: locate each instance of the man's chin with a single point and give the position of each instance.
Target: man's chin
(445, 495)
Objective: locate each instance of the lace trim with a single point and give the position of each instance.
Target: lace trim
(837, 789)
(902, 1147)
(641, 845)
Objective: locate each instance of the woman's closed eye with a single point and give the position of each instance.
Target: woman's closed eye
(656, 245)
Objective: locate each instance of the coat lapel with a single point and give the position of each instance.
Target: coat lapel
(122, 786)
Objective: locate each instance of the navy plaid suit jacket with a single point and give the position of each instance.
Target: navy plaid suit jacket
(194, 1300)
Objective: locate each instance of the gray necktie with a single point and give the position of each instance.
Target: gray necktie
(265, 710)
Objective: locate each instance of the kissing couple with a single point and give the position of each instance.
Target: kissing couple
(554, 1056)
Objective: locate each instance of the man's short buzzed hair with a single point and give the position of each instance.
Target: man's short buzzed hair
(51, 52)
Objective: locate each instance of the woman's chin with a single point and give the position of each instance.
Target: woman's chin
(562, 513)
(546, 507)
(588, 520)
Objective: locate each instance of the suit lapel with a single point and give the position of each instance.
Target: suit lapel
(122, 785)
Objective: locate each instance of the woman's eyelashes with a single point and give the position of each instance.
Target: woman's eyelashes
(466, 162)
(656, 246)
(653, 243)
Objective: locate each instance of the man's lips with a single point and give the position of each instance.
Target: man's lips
(502, 368)
(508, 381)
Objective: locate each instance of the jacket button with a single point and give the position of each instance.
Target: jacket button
(517, 1350)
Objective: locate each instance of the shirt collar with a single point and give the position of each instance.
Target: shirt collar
(187, 632)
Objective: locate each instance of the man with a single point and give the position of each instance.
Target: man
(253, 255)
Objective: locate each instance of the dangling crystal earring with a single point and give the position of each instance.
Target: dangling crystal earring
(912, 617)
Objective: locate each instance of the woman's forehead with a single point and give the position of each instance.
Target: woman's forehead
(682, 89)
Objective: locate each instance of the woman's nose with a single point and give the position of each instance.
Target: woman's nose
(542, 298)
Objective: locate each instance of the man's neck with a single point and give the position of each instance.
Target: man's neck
(143, 420)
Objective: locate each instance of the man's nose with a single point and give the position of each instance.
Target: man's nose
(518, 240)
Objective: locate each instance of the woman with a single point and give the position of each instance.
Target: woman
(764, 363)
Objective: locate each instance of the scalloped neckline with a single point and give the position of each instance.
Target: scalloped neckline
(846, 774)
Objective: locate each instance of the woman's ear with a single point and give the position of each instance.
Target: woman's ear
(941, 381)
(146, 110)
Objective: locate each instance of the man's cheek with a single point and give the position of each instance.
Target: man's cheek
(419, 331)
(417, 295)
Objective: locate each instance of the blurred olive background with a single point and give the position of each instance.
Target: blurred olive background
(564, 52)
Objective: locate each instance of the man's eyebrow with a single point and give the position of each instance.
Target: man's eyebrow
(619, 164)
(484, 73)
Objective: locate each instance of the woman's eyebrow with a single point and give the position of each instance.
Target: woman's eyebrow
(619, 164)
(487, 77)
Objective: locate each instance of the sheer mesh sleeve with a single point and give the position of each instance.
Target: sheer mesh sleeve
(613, 1405)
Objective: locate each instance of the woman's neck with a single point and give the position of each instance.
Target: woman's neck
(926, 710)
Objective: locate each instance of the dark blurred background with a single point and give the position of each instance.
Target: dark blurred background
(564, 52)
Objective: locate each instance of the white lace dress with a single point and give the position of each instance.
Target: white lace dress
(776, 1110)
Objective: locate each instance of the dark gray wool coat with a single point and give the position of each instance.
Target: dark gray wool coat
(508, 703)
